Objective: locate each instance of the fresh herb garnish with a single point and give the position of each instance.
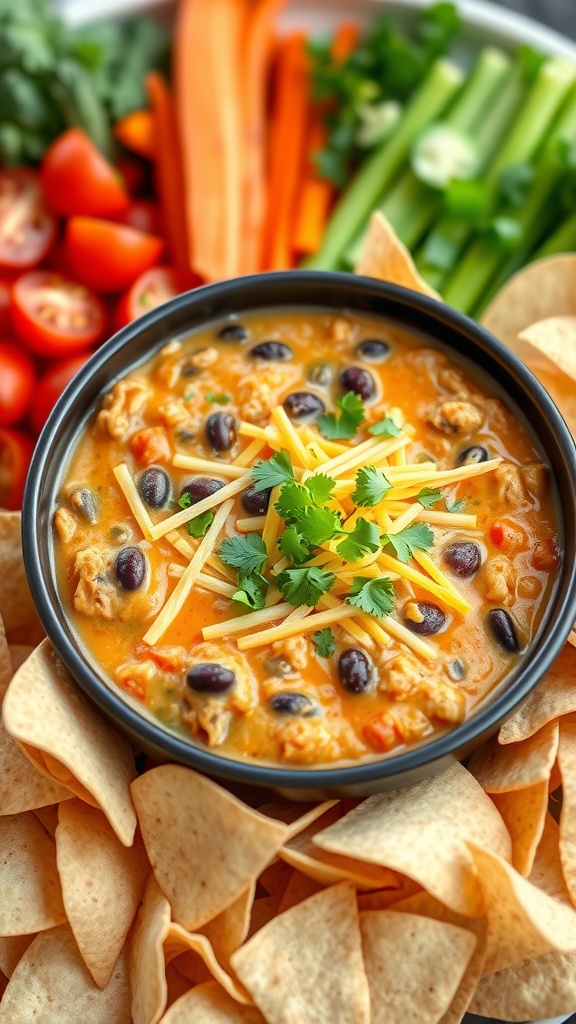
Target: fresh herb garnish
(452, 505)
(185, 501)
(319, 525)
(324, 642)
(429, 496)
(306, 585)
(417, 535)
(371, 486)
(216, 399)
(385, 428)
(247, 554)
(362, 539)
(252, 590)
(293, 545)
(375, 596)
(272, 472)
(345, 425)
(201, 524)
(295, 498)
(320, 488)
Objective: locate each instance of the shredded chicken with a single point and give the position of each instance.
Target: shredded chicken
(339, 329)
(126, 399)
(94, 594)
(444, 700)
(498, 578)
(211, 719)
(509, 483)
(307, 741)
(410, 723)
(135, 677)
(400, 677)
(457, 417)
(295, 650)
(172, 413)
(258, 391)
(65, 525)
(536, 479)
(452, 381)
(202, 358)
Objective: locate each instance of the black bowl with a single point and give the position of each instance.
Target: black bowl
(462, 338)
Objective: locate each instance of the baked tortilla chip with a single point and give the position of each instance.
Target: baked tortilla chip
(401, 954)
(30, 897)
(422, 832)
(567, 763)
(384, 256)
(298, 889)
(12, 949)
(502, 769)
(228, 930)
(297, 816)
(183, 816)
(542, 987)
(178, 941)
(210, 1004)
(19, 653)
(306, 965)
(69, 740)
(555, 340)
(540, 290)
(524, 813)
(147, 974)
(17, 609)
(554, 696)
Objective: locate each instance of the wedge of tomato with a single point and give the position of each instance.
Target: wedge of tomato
(77, 179)
(151, 289)
(54, 315)
(17, 378)
(50, 387)
(15, 454)
(27, 229)
(107, 256)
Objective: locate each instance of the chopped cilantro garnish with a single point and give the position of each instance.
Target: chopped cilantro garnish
(295, 498)
(319, 525)
(252, 590)
(429, 496)
(247, 554)
(305, 585)
(273, 472)
(324, 642)
(199, 526)
(185, 501)
(362, 539)
(210, 396)
(371, 486)
(375, 596)
(455, 506)
(293, 546)
(385, 428)
(417, 535)
(320, 488)
(346, 424)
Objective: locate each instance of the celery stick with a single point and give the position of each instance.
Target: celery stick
(519, 146)
(483, 262)
(563, 239)
(411, 206)
(376, 173)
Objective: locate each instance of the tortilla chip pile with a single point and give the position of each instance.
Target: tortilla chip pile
(155, 895)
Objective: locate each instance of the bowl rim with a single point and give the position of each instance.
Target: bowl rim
(439, 749)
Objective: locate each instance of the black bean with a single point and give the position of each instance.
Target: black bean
(456, 670)
(234, 332)
(190, 369)
(355, 670)
(432, 622)
(221, 431)
(86, 503)
(256, 502)
(199, 487)
(503, 629)
(472, 455)
(373, 350)
(155, 487)
(293, 704)
(131, 568)
(272, 351)
(320, 374)
(358, 380)
(209, 677)
(303, 405)
(463, 557)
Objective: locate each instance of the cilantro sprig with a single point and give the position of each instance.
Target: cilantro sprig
(385, 428)
(371, 486)
(324, 642)
(344, 425)
(247, 554)
(429, 496)
(273, 472)
(362, 539)
(252, 590)
(305, 586)
(375, 596)
(201, 524)
(417, 535)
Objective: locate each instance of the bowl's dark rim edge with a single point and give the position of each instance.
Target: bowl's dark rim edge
(447, 745)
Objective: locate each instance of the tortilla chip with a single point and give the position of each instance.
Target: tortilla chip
(554, 696)
(422, 831)
(297, 816)
(274, 879)
(567, 764)
(524, 813)
(384, 256)
(30, 897)
(19, 653)
(555, 339)
(523, 921)
(17, 609)
(299, 888)
(51, 985)
(384, 899)
(210, 1004)
(147, 975)
(6, 671)
(402, 953)
(502, 769)
(12, 949)
(48, 817)
(228, 930)
(178, 941)
(542, 987)
(547, 872)
(310, 956)
(65, 734)
(263, 910)
(540, 290)
(102, 884)
(176, 984)
(185, 820)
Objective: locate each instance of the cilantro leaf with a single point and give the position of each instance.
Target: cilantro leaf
(252, 590)
(210, 396)
(346, 424)
(248, 554)
(305, 585)
(273, 472)
(324, 642)
(385, 428)
(429, 496)
(320, 488)
(293, 546)
(199, 526)
(363, 538)
(375, 596)
(318, 525)
(417, 535)
(292, 501)
(185, 501)
(371, 486)
(455, 506)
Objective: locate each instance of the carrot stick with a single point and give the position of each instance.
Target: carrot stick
(345, 40)
(136, 132)
(169, 177)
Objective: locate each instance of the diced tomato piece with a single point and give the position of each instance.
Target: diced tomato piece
(170, 659)
(509, 536)
(107, 256)
(150, 445)
(78, 181)
(496, 534)
(15, 454)
(545, 557)
(27, 230)
(380, 733)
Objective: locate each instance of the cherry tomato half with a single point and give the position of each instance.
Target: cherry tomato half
(5, 302)
(109, 257)
(152, 288)
(27, 230)
(143, 215)
(50, 387)
(54, 315)
(15, 454)
(77, 179)
(17, 378)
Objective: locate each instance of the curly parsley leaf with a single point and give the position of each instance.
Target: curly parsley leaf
(247, 554)
(273, 472)
(385, 428)
(217, 399)
(417, 535)
(252, 590)
(320, 488)
(429, 496)
(305, 585)
(199, 526)
(362, 539)
(324, 642)
(346, 424)
(371, 486)
(455, 506)
(293, 546)
(375, 596)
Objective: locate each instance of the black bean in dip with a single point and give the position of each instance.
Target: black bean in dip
(463, 557)
(433, 619)
(272, 352)
(503, 629)
(131, 568)
(472, 455)
(303, 406)
(155, 487)
(199, 487)
(256, 502)
(210, 677)
(288, 703)
(360, 381)
(234, 332)
(355, 670)
(373, 350)
(221, 431)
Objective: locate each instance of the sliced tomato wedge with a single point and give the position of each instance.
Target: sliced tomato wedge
(77, 179)
(109, 257)
(152, 288)
(54, 315)
(15, 454)
(27, 229)
(51, 386)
